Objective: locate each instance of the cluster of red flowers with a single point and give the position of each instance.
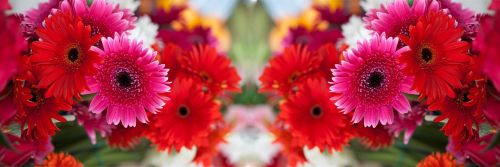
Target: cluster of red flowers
(78, 59)
(372, 83)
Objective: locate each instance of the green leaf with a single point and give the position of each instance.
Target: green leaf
(5, 141)
(494, 142)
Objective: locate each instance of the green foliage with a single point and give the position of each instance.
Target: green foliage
(73, 140)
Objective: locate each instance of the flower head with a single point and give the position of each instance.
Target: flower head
(371, 83)
(61, 159)
(395, 18)
(34, 18)
(312, 115)
(37, 111)
(186, 120)
(91, 122)
(105, 18)
(126, 138)
(63, 56)
(435, 56)
(208, 149)
(25, 150)
(438, 160)
(128, 83)
(291, 143)
(487, 36)
(284, 70)
(464, 112)
(214, 71)
(408, 122)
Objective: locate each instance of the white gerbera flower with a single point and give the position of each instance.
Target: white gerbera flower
(145, 30)
(354, 31)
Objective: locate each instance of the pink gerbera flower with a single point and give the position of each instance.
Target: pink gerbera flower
(371, 81)
(408, 122)
(104, 18)
(465, 18)
(395, 18)
(128, 82)
(34, 17)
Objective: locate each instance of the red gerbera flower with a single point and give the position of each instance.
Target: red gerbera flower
(63, 56)
(37, 111)
(312, 115)
(60, 159)
(439, 160)
(214, 71)
(373, 138)
(186, 119)
(436, 56)
(465, 111)
(294, 64)
(126, 138)
(208, 149)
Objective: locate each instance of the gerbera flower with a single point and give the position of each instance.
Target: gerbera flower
(214, 71)
(91, 122)
(186, 119)
(395, 18)
(170, 56)
(436, 56)
(354, 31)
(373, 138)
(63, 56)
(60, 159)
(145, 31)
(128, 83)
(293, 65)
(408, 121)
(465, 18)
(11, 47)
(105, 18)
(475, 150)
(37, 111)
(487, 36)
(335, 18)
(464, 112)
(185, 38)
(126, 138)
(34, 18)
(166, 17)
(371, 83)
(438, 160)
(312, 115)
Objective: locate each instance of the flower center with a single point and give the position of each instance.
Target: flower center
(375, 79)
(73, 54)
(426, 54)
(293, 77)
(34, 96)
(465, 97)
(124, 79)
(204, 76)
(316, 111)
(183, 111)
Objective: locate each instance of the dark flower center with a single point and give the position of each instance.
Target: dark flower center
(465, 97)
(316, 111)
(375, 79)
(183, 111)
(124, 79)
(294, 77)
(426, 54)
(34, 96)
(204, 76)
(73, 54)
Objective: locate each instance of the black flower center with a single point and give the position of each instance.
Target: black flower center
(426, 54)
(73, 54)
(34, 96)
(294, 77)
(316, 111)
(465, 97)
(183, 111)
(205, 76)
(375, 79)
(124, 79)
